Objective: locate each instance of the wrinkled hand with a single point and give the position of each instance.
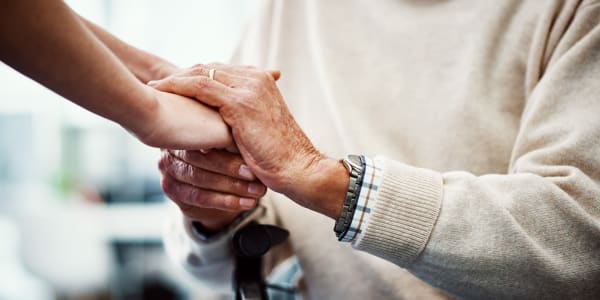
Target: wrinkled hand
(212, 188)
(266, 134)
(179, 122)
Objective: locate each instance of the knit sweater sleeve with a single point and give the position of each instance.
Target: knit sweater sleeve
(209, 261)
(533, 232)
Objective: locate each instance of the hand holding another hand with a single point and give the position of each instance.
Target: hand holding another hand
(212, 187)
(268, 138)
(178, 122)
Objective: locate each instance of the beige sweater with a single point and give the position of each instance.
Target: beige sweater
(488, 114)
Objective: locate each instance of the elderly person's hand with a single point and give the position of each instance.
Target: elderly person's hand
(177, 122)
(210, 187)
(267, 136)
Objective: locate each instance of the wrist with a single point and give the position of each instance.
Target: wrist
(321, 187)
(141, 125)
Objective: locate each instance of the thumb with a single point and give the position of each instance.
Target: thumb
(275, 73)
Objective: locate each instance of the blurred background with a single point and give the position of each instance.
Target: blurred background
(81, 210)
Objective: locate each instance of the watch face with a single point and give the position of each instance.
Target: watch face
(355, 159)
(353, 162)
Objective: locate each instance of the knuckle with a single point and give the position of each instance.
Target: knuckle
(201, 198)
(198, 70)
(175, 167)
(234, 167)
(237, 185)
(201, 82)
(179, 154)
(195, 157)
(201, 178)
(196, 197)
(163, 161)
(229, 202)
(225, 163)
(188, 171)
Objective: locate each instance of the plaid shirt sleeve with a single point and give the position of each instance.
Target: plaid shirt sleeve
(366, 200)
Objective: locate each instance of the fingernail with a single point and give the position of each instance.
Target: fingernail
(152, 82)
(256, 189)
(246, 173)
(247, 202)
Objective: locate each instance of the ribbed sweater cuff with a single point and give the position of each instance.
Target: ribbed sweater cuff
(404, 213)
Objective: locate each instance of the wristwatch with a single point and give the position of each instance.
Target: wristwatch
(355, 164)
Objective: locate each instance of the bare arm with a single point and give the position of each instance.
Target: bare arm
(145, 66)
(46, 41)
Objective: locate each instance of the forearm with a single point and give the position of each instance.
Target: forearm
(497, 236)
(41, 37)
(322, 187)
(145, 66)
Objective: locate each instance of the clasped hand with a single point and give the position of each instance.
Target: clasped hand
(214, 186)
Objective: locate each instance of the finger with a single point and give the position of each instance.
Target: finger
(218, 161)
(183, 193)
(276, 74)
(204, 179)
(227, 74)
(237, 70)
(233, 148)
(230, 75)
(201, 88)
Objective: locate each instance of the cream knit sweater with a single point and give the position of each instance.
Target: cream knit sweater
(488, 114)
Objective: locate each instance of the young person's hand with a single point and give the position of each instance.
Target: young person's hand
(178, 122)
(269, 140)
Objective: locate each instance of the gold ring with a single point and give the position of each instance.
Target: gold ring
(211, 74)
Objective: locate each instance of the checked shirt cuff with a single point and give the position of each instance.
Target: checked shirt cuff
(366, 200)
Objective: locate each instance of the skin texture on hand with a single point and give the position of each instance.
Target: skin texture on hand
(266, 134)
(212, 188)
